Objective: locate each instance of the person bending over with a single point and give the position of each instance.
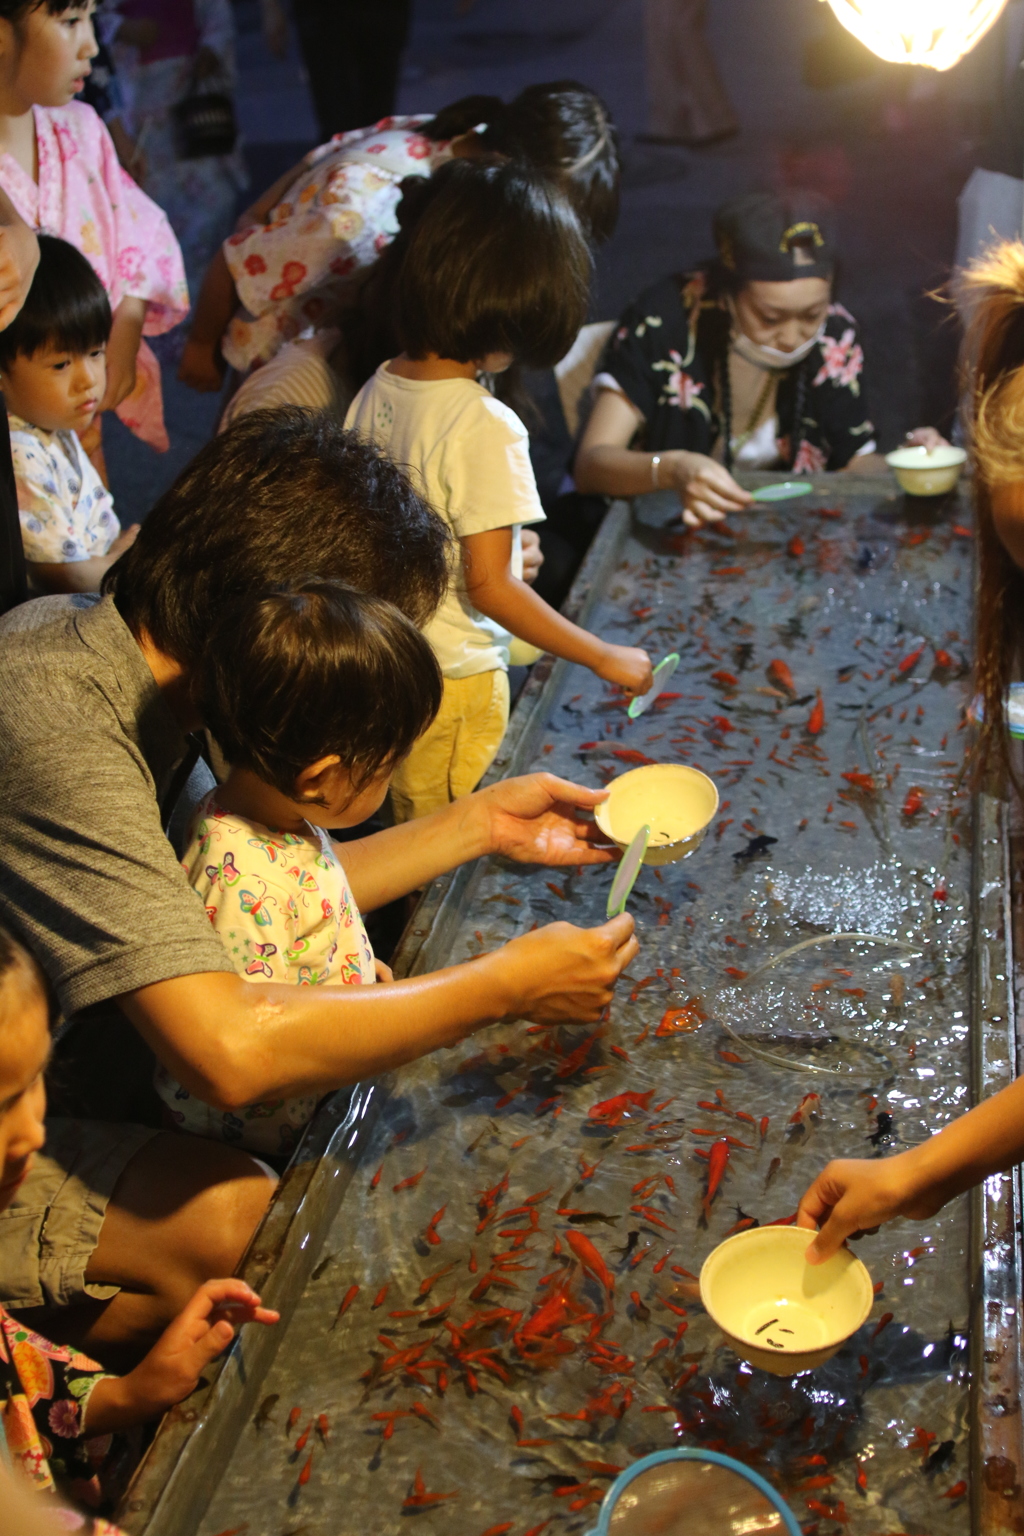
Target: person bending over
(747, 362)
(117, 1224)
(58, 1408)
(301, 251)
(495, 272)
(53, 374)
(314, 694)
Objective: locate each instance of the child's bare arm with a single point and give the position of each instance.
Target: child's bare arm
(174, 1365)
(123, 350)
(487, 564)
(202, 366)
(80, 575)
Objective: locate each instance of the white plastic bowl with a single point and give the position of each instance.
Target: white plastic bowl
(776, 1310)
(926, 471)
(676, 802)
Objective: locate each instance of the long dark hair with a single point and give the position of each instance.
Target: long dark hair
(993, 287)
(560, 128)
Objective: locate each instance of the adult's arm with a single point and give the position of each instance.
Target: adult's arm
(231, 1042)
(537, 819)
(607, 465)
(851, 1195)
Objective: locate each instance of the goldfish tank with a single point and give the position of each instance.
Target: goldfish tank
(494, 1305)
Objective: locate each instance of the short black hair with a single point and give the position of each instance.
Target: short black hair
(497, 261)
(67, 307)
(281, 493)
(314, 668)
(559, 127)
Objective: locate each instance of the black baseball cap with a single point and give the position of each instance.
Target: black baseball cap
(768, 238)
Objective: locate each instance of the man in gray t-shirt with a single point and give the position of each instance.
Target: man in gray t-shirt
(96, 705)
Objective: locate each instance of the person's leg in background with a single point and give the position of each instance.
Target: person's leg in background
(454, 753)
(352, 50)
(687, 100)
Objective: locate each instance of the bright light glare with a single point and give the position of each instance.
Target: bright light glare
(932, 32)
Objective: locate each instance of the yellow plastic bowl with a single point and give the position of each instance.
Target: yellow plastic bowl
(926, 472)
(677, 803)
(776, 1310)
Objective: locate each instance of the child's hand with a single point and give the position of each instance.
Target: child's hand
(123, 351)
(202, 368)
(533, 555)
(382, 972)
(125, 539)
(627, 666)
(174, 1365)
(856, 1195)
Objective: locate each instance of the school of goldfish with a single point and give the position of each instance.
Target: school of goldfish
(508, 1313)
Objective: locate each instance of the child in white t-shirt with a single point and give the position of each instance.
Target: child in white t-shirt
(495, 271)
(313, 695)
(53, 375)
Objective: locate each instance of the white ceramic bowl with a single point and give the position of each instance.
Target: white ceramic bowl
(776, 1310)
(676, 802)
(926, 472)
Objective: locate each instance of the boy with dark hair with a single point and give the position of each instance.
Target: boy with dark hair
(53, 374)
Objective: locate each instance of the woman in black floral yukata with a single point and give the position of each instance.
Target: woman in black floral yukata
(746, 362)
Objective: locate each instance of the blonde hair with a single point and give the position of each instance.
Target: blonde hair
(992, 294)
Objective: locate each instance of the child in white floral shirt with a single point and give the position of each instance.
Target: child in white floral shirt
(53, 375)
(341, 685)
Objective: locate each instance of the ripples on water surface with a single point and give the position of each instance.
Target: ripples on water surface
(440, 1365)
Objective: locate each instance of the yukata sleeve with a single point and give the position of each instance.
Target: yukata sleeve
(337, 222)
(147, 259)
(48, 1387)
(629, 358)
(838, 422)
(46, 532)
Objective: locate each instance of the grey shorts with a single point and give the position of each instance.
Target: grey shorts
(50, 1231)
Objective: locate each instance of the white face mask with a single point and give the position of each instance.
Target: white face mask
(771, 357)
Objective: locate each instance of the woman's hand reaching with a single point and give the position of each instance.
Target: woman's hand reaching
(706, 489)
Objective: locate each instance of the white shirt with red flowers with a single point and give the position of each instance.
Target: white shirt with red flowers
(299, 269)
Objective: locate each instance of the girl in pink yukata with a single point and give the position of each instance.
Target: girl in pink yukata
(59, 167)
(58, 1408)
(314, 695)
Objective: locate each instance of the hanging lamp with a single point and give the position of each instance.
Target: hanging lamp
(936, 33)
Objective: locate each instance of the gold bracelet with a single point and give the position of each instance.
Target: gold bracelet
(655, 461)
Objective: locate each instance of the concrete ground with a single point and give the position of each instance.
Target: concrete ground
(892, 149)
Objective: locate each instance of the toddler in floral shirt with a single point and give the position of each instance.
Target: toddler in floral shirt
(53, 374)
(313, 698)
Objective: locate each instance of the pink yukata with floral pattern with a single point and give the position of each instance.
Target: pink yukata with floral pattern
(299, 269)
(85, 197)
(282, 908)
